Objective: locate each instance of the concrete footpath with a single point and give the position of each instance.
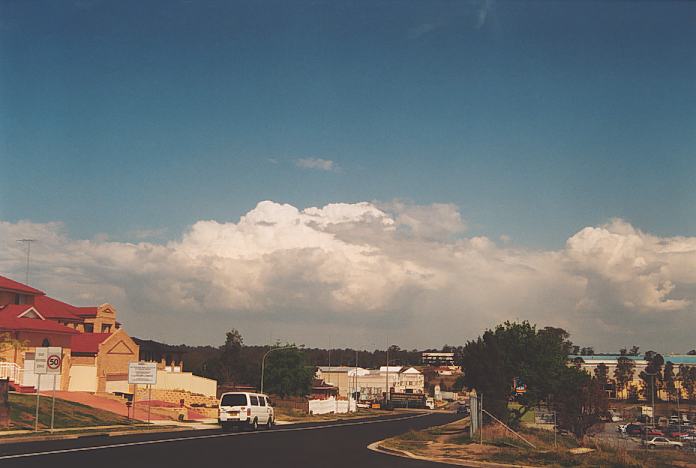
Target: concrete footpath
(12, 437)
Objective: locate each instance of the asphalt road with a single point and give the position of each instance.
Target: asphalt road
(331, 445)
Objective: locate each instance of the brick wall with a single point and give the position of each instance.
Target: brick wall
(175, 397)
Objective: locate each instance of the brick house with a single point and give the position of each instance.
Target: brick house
(96, 350)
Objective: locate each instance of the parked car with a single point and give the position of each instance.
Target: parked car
(652, 432)
(463, 409)
(688, 437)
(663, 442)
(675, 432)
(634, 429)
(244, 409)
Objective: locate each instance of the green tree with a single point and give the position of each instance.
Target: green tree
(634, 350)
(669, 381)
(8, 342)
(515, 350)
(652, 376)
(623, 373)
(580, 401)
(287, 373)
(687, 378)
(601, 373)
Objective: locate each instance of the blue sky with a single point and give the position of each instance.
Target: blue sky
(535, 118)
(567, 126)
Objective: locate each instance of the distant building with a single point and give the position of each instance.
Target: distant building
(437, 359)
(371, 384)
(590, 363)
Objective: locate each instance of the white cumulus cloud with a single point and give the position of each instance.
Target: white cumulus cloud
(358, 271)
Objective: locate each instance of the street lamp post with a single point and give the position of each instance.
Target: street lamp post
(263, 361)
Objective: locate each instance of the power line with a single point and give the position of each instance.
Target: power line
(28, 244)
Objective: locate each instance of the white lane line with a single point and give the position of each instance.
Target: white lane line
(210, 436)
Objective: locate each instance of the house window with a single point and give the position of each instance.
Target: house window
(89, 328)
(45, 343)
(106, 328)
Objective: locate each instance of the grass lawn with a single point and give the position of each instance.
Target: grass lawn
(529, 416)
(67, 415)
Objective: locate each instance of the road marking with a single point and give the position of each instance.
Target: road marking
(210, 436)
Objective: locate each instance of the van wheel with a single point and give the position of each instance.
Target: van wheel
(255, 425)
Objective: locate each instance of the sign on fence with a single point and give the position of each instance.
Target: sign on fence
(142, 373)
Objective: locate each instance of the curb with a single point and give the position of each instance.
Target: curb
(377, 447)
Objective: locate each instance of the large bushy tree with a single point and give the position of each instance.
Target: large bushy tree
(516, 350)
(287, 373)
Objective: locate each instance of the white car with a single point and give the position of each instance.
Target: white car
(244, 409)
(657, 442)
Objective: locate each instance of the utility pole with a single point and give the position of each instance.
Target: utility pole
(27, 242)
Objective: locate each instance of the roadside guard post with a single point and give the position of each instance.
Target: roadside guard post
(47, 361)
(143, 373)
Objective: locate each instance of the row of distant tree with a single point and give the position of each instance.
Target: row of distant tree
(288, 372)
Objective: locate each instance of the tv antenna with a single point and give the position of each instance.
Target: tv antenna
(27, 242)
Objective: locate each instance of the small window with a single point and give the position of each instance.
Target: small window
(45, 343)
(106, 328)
(89, 328)
(254, 400)
(262, 401)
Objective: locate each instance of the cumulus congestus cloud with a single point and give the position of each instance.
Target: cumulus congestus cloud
(359, 270)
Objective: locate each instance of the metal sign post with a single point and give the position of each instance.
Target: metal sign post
(149, 403)
(38, 386)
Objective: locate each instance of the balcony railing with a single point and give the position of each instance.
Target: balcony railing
(12, 371)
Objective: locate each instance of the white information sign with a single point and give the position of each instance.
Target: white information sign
(48, 361)
(142, 373)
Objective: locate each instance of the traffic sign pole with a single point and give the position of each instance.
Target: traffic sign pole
(53, 404)
(38, 387)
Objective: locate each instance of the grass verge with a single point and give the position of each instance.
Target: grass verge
(67, 414)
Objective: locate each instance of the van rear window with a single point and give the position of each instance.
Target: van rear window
(234, 400)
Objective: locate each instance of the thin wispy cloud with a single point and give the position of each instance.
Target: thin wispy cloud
(317, 164)
(421, 30)
(483, 13)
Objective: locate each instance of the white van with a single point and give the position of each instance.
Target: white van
(244, 409)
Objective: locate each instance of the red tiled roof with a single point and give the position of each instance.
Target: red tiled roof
(88, 342)
(86, 311)
(13, 310)
(7, 283)
(54, 309)
(9, 320)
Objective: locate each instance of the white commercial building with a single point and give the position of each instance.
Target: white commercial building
(372, 383)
